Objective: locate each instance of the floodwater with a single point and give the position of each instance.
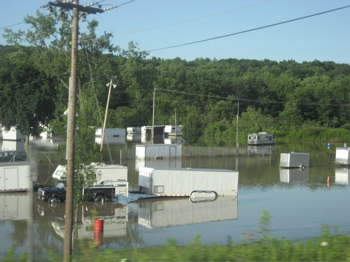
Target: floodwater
(299, 202)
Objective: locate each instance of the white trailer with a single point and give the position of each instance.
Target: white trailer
(12, 134)
(187, 181)
(158, 151)
(162, 212)
(133, 130)
(294, 160)
(173, 130)
(260, 139)
(15, 177)
(114, 175)
(112, 135)
(342, 156)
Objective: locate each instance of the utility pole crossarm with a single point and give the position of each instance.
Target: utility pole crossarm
(81, 8)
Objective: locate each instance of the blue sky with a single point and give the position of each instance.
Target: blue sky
(157, 24)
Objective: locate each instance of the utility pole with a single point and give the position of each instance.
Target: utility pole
(84, 10)
(154, 98)
(237, 143)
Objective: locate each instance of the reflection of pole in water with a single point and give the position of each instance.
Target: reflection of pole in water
(237, 163)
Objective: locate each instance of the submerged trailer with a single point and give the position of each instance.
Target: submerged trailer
(158, 151)
(342, 156)
(294, 160)
(192, 182)
(260, 139)
(15, 177)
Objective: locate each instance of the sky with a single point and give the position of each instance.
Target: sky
(215, 29)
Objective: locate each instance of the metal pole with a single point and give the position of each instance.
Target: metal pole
(154, 97)
(71, 138)
(106, 113)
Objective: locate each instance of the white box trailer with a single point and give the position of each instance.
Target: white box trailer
(158, 151)
(342, 156)
(12, 134)
(112, 135)
(15, 206)
(294, 160)
(162, 212)
(15, 176)
(187, 181)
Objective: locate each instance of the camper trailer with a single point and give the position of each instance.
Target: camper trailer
(114, 175)
(261, 138)
(147, 131)
(158, 151)
(173, 130)
(188, 182)
(15, 176)
(111, 135)
(133, 130)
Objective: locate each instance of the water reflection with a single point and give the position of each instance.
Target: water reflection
(342, 175)
(291, 175)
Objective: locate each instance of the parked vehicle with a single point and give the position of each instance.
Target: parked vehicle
(261, 138)
(57, 193)
(192, 182)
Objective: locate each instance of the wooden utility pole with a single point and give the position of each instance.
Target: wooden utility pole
(84, 9)
(237, 143)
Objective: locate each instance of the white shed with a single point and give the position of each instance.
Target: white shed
(158, 151)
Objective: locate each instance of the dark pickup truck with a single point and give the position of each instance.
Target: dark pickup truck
(98, 193)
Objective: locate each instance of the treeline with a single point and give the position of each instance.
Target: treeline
(308, 100)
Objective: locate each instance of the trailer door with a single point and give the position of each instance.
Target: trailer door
(172, 151)
(11, 178)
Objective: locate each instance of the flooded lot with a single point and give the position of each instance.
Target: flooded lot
(299, 201)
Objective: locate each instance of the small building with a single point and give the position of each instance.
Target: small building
(294, 160)
(12, 134)
(158, 151)
(261, 138)
(342, 156)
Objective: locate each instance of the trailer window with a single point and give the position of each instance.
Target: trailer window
(158, 189)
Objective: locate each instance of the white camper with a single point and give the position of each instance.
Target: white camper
(12, 134)
(187, 181)
(112, 135)
(15, 177)
(342, 156)
(169, 212)
(173, 130)
(133, 130)
(294, 160)
(114, 175)
(158, 151)
(260, 139)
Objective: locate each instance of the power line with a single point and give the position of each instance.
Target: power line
(251, 30)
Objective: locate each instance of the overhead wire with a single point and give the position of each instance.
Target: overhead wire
(251, 30)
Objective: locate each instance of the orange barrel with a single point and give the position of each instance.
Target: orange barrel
(98, 225)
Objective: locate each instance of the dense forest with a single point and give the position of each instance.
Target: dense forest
(308, 100)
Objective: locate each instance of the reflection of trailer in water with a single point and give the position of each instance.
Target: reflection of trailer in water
(114, 218)
(168, 162)
(342, 176)
(167, 212)
(15, 206)
(294, 175)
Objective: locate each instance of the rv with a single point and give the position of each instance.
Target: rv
(192, 182)
(261, 138)
(133, 130)
(111, 135)
(113, 175)
(173, 130)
